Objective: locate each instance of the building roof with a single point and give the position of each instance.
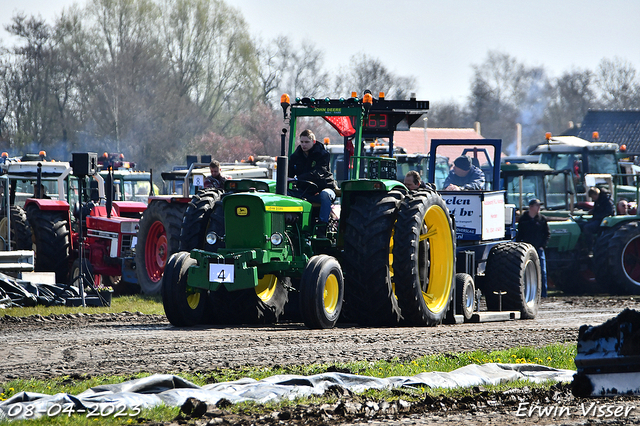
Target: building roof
(621, 127)
(414, 141)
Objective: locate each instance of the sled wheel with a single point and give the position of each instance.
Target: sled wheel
(513, 268)
(424, 258)
(184, 306)
(465, 295)
(321, 292)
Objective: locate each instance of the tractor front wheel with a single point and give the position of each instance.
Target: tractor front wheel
(321, 292)
(20, 230)
(158, 239)
(424, 258)
(183, 306)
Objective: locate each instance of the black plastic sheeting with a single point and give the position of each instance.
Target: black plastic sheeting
(129, 397)
(20, 293)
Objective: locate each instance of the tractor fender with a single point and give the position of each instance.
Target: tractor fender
(47, 204)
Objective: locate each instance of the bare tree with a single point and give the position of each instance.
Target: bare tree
(618, 83)
(367, 73)
(505, 92)
(572, 95)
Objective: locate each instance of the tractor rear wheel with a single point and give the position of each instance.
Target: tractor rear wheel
(321, 292)
(513, 268)
(424, 258)
(602, 267)
(20, 230)
(196, 219)
(368, 244)
(158, 239)
(183, 306)
(465, 295)
(52, 242)
(624, 258)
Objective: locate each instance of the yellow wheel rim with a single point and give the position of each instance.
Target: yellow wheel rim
(266, 287)
(437, 230)
(193, 300)
(331, 293)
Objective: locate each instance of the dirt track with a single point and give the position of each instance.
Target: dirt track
(128, 343)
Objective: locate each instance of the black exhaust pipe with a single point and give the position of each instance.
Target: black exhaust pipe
(282, 164)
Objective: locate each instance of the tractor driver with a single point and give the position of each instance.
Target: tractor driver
(216, 180)
(464, 176)
(310, 162)
(413, 182)
(40, 192)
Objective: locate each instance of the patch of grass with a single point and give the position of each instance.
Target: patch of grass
(560, 355)
(136, 303)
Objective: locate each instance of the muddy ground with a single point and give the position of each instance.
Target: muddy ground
(128, 343)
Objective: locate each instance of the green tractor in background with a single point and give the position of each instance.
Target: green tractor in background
(259, 245)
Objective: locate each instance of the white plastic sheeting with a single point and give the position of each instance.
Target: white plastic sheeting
(171, 390)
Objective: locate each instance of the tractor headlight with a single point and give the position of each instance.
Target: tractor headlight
(212, 238)
(276, 238)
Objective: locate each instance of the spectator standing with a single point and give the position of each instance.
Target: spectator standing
(534, 229)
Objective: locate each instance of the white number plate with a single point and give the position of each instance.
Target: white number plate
(220, 273)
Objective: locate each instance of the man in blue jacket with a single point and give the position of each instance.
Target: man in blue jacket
(310, 162)
(464, 176)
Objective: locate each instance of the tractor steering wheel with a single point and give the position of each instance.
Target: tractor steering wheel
(304, 188)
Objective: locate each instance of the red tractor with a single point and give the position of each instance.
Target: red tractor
(82, 221)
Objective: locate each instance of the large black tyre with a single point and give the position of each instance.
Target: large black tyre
(465, 296)
(602, 267)
(513, 268)
(196, 219)
(51, 241)
(158, 239)
(20, 229)
(321, 292)
(183, 306)
(369, 299)
(424, 258)
(624, 259)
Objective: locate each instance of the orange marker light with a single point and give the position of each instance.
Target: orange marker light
(381, 95)
(547, 135)
(122, 156)
(371, 145)
(596, 135)
(354, 94)
(326, 141)
(5, 154)
(368, 99)
(105, 155)
(623, 148)
(42, 153)
(285, 99)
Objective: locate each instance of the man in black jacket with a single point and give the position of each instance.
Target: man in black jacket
(603, 206)
(310, 162)
(534, 229)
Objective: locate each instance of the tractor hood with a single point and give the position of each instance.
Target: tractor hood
(252, 218)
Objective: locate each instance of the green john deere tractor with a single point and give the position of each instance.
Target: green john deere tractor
(260, 249)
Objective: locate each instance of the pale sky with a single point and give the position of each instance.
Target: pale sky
(436, 41)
